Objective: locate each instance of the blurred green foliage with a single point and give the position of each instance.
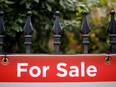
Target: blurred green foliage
(43, 20)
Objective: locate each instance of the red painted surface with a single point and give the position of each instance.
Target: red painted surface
(105, 71)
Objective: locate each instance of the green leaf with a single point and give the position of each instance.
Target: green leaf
(49, 7)
(20, 20)
(51, 1)
(9, 2)
(9, 9)
(34, 12)
(16, 27)
(79, 9)
(28, 4)
(22, 2)
(36, 1)
(11, 34)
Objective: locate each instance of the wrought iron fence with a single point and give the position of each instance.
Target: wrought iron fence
(57, 30)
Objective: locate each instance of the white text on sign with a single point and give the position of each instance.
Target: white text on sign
(74, 71)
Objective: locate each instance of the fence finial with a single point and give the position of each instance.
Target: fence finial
(2, 30)
(112, 31)
(112, 25)
(85, 29)
(57, 28)
(57, 31)
(28, 29)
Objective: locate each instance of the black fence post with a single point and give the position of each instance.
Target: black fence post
(85, 29)
(57, 31)
(28, 29)
(112, 31)
(2, 29)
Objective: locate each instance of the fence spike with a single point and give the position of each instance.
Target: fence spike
(57, 28)
(2, 30)
(112, 31)
(85, 29)
(28, 29)
(112, 25)
(57, 31)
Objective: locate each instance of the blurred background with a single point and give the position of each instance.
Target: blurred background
(43, 20)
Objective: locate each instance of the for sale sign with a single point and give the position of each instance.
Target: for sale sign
(58, 68)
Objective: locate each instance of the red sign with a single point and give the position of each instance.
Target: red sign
(58, 68)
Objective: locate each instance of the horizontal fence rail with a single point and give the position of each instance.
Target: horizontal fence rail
(57, 30)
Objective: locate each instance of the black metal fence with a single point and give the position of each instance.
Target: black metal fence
(85, 29)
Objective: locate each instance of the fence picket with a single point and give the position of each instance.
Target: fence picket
(85, 29)
(57, 31)
(112, 32)
(2, 30)
(28, 29)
